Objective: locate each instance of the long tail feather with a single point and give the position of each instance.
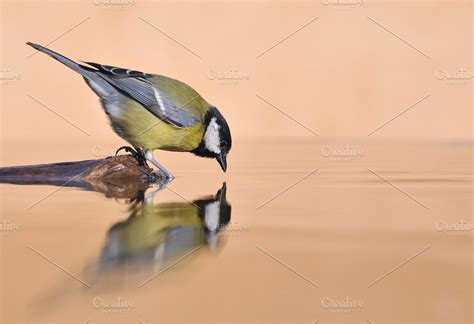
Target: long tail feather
(81, 69)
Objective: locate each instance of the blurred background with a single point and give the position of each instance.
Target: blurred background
(376, 96)
(342, 75)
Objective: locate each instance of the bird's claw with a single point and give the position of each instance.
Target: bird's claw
(153, 176)
(137, 154)
(134, 152)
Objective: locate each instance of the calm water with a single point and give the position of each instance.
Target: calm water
(326, 231)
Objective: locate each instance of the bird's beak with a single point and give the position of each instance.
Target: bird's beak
(222, 159)
(221, 194)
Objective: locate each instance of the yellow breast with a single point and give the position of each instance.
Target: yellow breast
(143, 129)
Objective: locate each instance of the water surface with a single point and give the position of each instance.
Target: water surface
(306, 231)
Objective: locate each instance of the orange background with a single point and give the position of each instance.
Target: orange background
(342, 75)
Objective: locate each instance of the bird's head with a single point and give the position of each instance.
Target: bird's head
(216, 141)
(215, 211)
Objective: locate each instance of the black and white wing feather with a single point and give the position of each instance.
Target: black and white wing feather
(119, 72)
(109, 81)
(135, 85)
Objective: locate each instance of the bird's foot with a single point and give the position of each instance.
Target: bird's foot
(137, 154)
(154, 190)
(158, 177)
(164, 174)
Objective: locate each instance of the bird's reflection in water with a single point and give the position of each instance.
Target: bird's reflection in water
(153, 239)
(158, 234)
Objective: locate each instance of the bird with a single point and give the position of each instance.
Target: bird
(152, 111)
(166, 231)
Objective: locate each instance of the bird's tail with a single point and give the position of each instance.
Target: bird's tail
(85, 71)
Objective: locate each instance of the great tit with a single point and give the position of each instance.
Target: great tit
(166, 231)
(151, 111)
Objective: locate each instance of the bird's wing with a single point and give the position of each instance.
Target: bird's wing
(155, 99)
(120, 72)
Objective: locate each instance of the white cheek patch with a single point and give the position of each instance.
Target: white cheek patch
(212, 138)
(212, 216)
